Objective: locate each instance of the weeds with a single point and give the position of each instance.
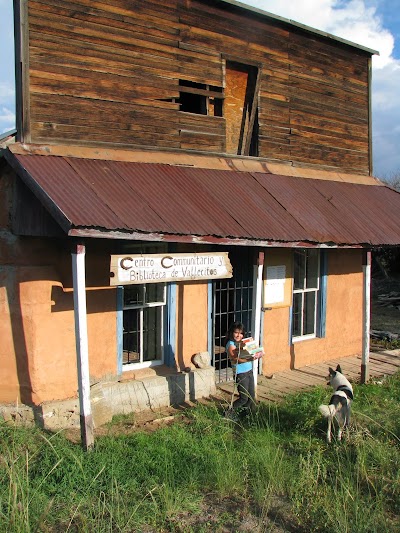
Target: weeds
(205, 473)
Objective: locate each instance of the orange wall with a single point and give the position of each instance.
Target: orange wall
(343, 320)
(192, 313)
(38, 335)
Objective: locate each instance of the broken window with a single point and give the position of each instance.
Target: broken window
(237, 103)
(200, 98)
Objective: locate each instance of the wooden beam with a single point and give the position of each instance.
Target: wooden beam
(257, 304)
(82, 351)
(371, 167)
(365, 370)
(254, 107)
(21, 31)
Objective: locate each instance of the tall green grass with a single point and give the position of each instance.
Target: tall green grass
(204, 473)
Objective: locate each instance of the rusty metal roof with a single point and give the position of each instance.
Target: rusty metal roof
(152, 201)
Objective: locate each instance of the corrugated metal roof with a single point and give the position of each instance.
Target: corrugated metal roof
(103, 198)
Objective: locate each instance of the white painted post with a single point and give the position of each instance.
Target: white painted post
(82, 351)
(256, 315)
(366, 316)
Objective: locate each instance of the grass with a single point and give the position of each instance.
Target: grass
(203, 473)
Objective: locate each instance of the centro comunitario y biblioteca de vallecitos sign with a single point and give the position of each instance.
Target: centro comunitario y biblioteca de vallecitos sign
(158, 268)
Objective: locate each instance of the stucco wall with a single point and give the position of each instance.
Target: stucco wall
(344, 315)
(38, 354)
(192, 314)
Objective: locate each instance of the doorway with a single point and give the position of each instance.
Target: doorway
(232, 301)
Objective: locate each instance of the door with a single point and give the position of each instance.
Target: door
(232, 301)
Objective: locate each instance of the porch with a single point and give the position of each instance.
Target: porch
(276, 387)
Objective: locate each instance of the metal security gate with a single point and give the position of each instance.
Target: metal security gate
(232, 301)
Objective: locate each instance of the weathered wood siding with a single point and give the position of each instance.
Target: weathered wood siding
(107, 73)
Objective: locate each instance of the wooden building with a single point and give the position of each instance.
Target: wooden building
(191, 130)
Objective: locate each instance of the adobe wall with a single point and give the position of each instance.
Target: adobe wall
(110, 398)
(38, 356)
(192, 319)
(38, 353)
(343, 320)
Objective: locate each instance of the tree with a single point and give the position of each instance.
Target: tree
(392, 179)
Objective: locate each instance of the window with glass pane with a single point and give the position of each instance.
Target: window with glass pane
(143, 325)
(305, 293)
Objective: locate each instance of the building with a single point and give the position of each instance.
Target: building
(197, 133)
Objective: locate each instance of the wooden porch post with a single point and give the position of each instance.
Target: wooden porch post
(82, 351)
(366, 316)
(257, 304)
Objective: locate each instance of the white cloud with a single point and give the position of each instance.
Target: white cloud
(386, 118)
(7, 119)
(7, 107)
(6, 92)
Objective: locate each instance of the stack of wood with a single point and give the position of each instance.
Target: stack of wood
(384, 335)
(390, 299)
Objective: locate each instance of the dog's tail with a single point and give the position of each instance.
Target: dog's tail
(327, 410)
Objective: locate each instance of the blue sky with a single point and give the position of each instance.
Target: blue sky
(371, 23)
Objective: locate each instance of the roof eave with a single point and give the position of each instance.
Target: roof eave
(203, 239)
(309, 29)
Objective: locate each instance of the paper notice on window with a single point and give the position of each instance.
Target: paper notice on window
(275, 285)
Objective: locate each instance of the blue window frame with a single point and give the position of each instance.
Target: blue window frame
(140, 325)
(308, 313)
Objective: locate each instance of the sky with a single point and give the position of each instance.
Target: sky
(374, 24)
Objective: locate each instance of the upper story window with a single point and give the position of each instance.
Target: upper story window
(200, 98)
(242, 85)
(237, 103)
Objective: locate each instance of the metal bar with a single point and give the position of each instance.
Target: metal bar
(210, 322)
(120, 328)
(257, 304)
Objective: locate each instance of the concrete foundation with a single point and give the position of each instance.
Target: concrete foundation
(111, 398)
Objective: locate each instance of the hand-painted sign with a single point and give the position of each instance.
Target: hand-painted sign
(159, 268)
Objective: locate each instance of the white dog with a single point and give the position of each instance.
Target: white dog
(340, 403)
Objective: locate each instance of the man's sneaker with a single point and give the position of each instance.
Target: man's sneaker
(231, 415)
